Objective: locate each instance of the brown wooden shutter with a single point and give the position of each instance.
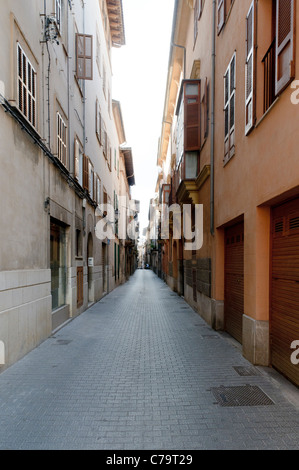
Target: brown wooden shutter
(84, 56)
(221, 14)
(192, 115)
(249, 68)
(285, 44)
(85, 171)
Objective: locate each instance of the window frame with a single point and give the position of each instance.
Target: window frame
(250, 58)
(58, 14)
(61, 139)
(229, 136)
(78, 161)
(84, 57)
(28, 108)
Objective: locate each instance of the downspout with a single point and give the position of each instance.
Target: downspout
(48, 80)
(84, 91)
(212, 202)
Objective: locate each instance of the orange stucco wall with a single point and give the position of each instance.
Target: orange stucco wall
(265, 164)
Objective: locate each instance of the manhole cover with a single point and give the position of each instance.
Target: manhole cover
(246, 371)
(61, 342)
(246, 395)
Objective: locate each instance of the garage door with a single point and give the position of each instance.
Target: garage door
(234, 281)
(284, 326)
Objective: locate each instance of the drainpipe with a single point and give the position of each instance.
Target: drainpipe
(212, 223)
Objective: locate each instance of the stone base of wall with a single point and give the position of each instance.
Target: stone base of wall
(256, 341)
(25, 312)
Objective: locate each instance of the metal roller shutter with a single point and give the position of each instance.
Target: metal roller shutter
(234, 281)
(284, 327)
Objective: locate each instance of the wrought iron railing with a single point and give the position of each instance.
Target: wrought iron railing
(269, 76)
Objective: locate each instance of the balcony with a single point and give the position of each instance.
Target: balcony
(269, 76)
(188, 140)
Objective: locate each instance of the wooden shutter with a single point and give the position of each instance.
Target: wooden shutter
(192, 115)
(90, 180)
(285, 44)
(85, 171)
(221, 14)
(249, 68)
(76, 159)
(84, 56)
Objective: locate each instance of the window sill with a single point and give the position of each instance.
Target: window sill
(228, 159)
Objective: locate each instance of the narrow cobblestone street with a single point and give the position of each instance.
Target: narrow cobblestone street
(137, 371)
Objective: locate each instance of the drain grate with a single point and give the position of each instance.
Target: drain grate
(246, 371)
(246, 395)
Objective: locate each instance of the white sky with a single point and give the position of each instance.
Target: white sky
(139, 83)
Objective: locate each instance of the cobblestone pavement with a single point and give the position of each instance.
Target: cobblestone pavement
(138, 371)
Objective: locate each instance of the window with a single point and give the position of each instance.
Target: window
(78, 156)
(58, 14)
(205, 113)
(229, 109)
(285, 44)
(224, 7)
(61, 140)
(221, 14)
(99, 123)
(26, 87)
(195, 19)
(109, 101)
(98, 54)
(98, 190)
(188, 129)
(84, 56)
(200, 8)
(85, 172)
(104, 140)
(104, 80)
(90, 180)
(249, 68)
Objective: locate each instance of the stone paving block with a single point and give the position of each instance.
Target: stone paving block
(135, 371)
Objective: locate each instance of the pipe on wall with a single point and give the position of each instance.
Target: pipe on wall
(212, 217)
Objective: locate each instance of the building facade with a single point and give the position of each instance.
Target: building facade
(61, 165)
(228, 143)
